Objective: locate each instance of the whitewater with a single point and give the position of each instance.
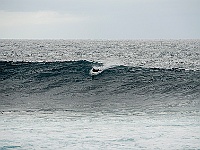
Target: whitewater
(147, 95)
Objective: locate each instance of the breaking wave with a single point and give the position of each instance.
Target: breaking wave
(62, 84)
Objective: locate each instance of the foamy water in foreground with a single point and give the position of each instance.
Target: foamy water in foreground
(74, 130)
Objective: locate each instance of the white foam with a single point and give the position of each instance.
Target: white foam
(74, 130)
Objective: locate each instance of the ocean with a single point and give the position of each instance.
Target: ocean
(147, 95)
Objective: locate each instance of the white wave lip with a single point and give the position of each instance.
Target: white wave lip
(109, 63)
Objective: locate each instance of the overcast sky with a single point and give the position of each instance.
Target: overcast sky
(100, 19)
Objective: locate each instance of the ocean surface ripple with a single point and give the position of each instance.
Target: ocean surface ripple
(147, 95)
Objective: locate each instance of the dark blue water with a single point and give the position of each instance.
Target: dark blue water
(69, 86)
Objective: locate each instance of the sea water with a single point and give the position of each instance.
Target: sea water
(146, 97)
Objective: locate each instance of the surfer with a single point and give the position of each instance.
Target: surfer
(95, 70)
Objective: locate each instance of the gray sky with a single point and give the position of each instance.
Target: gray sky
(100, 19)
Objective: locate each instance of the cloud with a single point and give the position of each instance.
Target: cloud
(37, 18)
(114, 19)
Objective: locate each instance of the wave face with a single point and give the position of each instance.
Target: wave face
(69, 85)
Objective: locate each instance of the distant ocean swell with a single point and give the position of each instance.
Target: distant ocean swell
(36, 84)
